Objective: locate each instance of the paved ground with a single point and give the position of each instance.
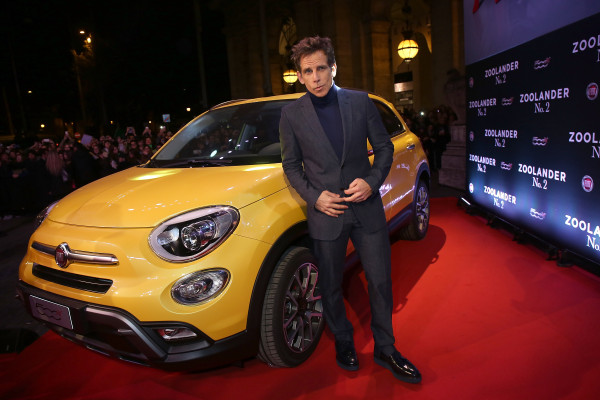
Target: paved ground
(17, 328)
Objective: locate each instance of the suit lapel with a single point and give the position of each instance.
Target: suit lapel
(346, 113)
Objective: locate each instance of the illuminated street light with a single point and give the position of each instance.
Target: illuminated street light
(290, 77)
(408, 49)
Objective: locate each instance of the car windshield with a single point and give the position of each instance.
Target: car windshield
(244, 134)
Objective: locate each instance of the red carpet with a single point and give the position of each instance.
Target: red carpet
(481, 316)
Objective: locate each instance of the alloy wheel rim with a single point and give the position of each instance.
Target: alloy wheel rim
(422, 208)
(302, 309)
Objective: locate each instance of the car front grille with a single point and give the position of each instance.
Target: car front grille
(76, 281)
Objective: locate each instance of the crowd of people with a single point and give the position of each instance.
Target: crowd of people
(35, 176)
(433, 129)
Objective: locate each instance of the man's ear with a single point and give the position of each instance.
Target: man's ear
(333, 70)
(299, 75)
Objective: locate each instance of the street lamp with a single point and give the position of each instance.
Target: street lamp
(408, 48)
(290, 77)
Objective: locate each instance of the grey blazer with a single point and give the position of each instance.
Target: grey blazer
(311, 165)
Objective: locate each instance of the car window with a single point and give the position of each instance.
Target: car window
(390, 120)
(243, 134)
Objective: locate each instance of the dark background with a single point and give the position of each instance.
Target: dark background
(145, 63)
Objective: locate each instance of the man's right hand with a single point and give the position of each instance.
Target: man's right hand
(331, 204)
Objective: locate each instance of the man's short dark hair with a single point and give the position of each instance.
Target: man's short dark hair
(310, 45)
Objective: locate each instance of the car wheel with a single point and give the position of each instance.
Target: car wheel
(292, 318)
(419, 222)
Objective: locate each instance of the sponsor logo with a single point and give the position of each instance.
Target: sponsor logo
(507, 101)
(547, 173)
(500, 195)
(537, 214)
(582, 137)
(539, 141)
(506, 166)
(593, 232)
(471, 136)
(587, 183)
(482, 160)
(588, 138)
(543, 95)
(592, 91)
(585, 44)
(511, 66)
(539, 64)
(582, 225)
(482, 103)
(501, 133)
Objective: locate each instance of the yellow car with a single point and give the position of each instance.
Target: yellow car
(200, 257)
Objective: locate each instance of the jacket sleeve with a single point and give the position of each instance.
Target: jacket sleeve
(292, 161)
(383, 149)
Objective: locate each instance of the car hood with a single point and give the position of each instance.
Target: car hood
(144, 197)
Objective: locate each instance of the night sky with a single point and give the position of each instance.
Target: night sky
(145, 61)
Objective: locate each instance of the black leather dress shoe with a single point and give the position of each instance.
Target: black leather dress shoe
(400, 367)
(346, 355)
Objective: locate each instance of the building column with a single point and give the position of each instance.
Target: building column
(379, 72)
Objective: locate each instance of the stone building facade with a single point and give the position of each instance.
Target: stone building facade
(366, 34)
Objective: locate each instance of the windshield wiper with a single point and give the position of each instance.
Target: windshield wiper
(208, 162)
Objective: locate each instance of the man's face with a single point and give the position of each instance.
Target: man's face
(315, 74)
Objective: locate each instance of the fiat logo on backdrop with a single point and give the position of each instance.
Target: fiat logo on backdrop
(587, 183)
(592, 91)
(61, 255)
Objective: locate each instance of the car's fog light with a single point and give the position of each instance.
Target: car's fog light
(200, 286)
(171, 334)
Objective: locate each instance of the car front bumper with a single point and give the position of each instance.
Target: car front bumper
(118, 334)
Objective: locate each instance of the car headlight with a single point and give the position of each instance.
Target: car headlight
(43, 214)
(200, 286)
(194, 234)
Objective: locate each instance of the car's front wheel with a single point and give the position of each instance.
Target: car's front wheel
(292, 318)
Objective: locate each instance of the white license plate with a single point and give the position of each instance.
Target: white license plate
(51, 312)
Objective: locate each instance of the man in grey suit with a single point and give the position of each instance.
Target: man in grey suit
(324, 150)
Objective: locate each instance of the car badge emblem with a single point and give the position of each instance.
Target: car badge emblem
(61, 255)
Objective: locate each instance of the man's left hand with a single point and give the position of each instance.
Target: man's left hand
(359, 190)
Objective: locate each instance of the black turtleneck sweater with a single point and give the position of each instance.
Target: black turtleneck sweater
(328, 111)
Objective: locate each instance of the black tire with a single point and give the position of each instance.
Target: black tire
(292, 317)
(419, 220)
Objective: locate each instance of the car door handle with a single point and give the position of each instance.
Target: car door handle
(410, 146)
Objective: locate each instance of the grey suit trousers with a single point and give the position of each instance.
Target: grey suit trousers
(374, 251)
